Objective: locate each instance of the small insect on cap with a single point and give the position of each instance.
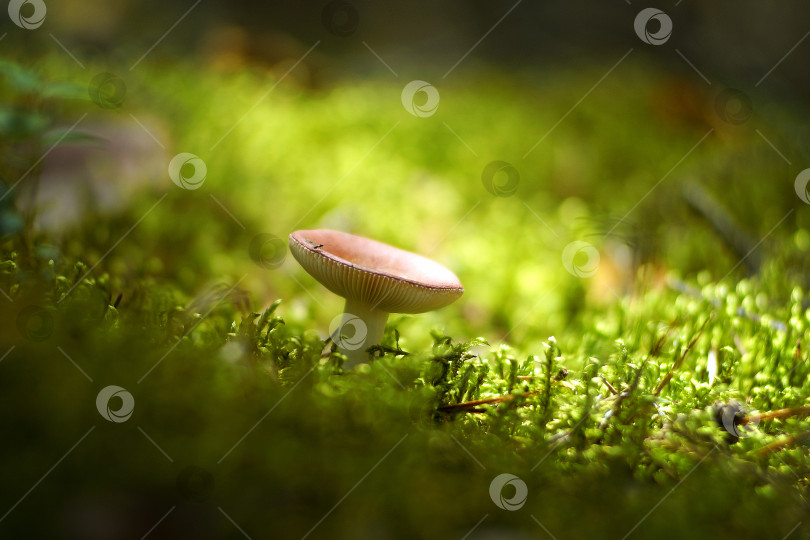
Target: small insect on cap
(374, 274)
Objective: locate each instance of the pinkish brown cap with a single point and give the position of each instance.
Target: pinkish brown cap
(375, 274)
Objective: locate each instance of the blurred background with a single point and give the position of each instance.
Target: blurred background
(558, 157)
(678, 155)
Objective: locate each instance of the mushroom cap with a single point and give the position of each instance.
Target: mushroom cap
(376, 274)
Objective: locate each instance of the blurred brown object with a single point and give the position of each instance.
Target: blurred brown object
(231, 48)
(99, 175)
(682, 103)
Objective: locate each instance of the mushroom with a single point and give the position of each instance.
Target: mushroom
(375, 279)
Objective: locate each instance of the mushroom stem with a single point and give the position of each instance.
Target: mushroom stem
(359, 337)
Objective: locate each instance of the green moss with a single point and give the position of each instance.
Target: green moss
(242, 409)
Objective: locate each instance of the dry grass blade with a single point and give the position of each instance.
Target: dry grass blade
(609, 386)
(781, 444)
(469, 406)
(780, 413)
(668, 377)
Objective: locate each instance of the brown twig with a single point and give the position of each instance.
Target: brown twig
(668, 377)
(468, 405)
(464, 407)
(609, 386)
(620, 399)
(656, 348)
(782, 443)
(779, 413)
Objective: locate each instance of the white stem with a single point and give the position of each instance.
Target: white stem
(360, 328)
